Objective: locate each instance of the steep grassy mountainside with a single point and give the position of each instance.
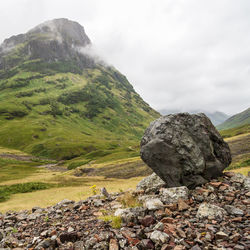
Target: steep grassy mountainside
(56, 101)
(237, 120)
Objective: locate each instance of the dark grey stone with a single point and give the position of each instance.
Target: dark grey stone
(185, 149)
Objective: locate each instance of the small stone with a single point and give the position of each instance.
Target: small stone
(182, 205)
(147, 221)
(179, 247)
(150, 183)
(196, 247)
(221, 235)
(208, 210)
(229, 174)
(168, 211)
(113, 245)
(167, 220)
(181, 233)
(239, 247)
(236, 219)
(153, 204)
(146, 244)
(159, 226)
(172, 195)
(104, 192)
(215, 184)
(70, 229)
(238, 178)
(233, 210)
(235, 237)
(159, 237)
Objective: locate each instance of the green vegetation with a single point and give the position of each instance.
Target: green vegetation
(11, 169)
(7, 191)
(227, 133)
(241, 164)
(115, 221)
(129, 200)
(237, 120)
(92, 114)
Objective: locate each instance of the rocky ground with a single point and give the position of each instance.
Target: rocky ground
(213, 216)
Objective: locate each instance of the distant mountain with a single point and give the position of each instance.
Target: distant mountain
(237, 120)
(57, 100)
(216, 117)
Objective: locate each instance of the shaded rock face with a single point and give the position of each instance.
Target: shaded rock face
(184, 149)
(51, 41)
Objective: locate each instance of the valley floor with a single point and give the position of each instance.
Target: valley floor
(20, 174)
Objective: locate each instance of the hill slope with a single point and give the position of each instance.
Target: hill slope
(237, 120)
(57, 101)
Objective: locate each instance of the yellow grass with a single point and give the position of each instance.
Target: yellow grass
(244, 170)
(236, 137)
(50, 197)
(12, 151)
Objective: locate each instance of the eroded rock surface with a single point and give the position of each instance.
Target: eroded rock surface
(185, 149)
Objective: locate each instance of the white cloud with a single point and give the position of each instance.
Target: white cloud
(178, 54)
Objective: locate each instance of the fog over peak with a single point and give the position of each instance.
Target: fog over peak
(178, 54)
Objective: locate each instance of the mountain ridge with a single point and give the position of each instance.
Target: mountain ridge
(236, 120)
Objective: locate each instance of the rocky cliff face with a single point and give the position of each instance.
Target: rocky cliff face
(52, 41)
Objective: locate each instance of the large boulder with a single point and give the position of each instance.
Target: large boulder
(185, 149)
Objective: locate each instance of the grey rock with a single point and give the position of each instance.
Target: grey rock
(33, 216)
(65, 202)
(159, 226)
(234, 210)
(246, 183)
(97, 203)
(159, 237)
(184, 149)
(172, 195)
(151, 183)
(221, 235)
(153, 204)
(208, 210)
(239, 247)
(130, 214)
(238, 177)
(104, 192)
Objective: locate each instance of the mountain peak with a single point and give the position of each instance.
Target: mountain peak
(64, 30)
(52, 41)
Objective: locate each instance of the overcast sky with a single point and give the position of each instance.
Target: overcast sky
(178, 54)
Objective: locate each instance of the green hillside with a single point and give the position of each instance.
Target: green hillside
(59, 103)
(237, 120)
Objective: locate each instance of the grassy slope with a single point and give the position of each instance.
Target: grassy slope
(237, 120)
(50, 115)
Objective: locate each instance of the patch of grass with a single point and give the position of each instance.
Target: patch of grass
(13, 170)
(49, 197)
(64, 114)
(129, 200)
(244, 170)
(227, 133)
(115, 221)
(7, 190)
(76, 164)
(242, 164)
